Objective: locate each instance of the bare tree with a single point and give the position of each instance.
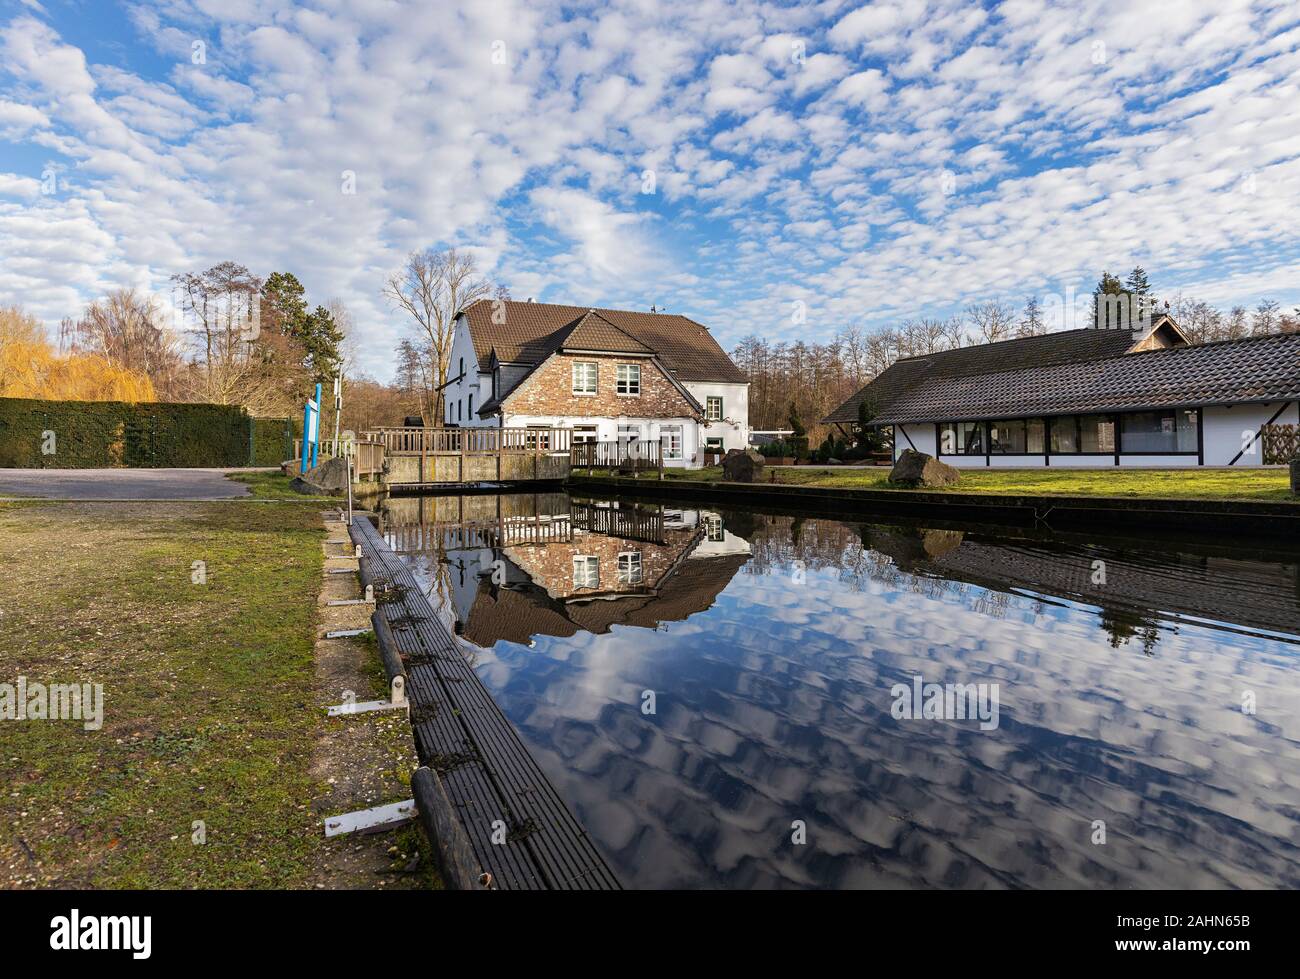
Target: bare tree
(993, 320)
(434, 287)
(1031, 321)
(127, 329)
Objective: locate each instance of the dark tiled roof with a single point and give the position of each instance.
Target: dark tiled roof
(1069, 346)
(1263, 368)
(532, 331)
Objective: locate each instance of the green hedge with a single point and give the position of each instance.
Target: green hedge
(96, 434)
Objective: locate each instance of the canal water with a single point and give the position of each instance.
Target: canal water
(741, 700)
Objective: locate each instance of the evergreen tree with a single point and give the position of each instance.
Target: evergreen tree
(320, 338)
(1137, 283)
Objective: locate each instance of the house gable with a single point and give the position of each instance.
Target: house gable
(548, 390)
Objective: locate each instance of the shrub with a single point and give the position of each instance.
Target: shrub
(96, 434)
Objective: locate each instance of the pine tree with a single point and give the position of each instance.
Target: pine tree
(1137, 283)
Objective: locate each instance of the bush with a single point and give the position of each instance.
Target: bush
(98, 434)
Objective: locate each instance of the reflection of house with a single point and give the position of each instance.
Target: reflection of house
(1133, 590)
(587, 567)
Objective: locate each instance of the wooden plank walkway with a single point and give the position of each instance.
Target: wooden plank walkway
(492, 781)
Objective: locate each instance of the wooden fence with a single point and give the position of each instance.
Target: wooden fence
(1281, 444)
(637, 455)
(453, 441)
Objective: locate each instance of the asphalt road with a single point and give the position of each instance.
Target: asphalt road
(121, 484)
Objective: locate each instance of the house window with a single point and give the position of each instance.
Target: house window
(629, 433)
(460, 410)
(1065, 436)
(586, 571)
(584, 433)
(628, 379)
(538, 437)
(629, 568)
(713, 527)
(670, 437)
(462, 368)
(584, 378)
(1160, 431)
(1096, 433)
(961, 439)
(1016, 436)
(713, 409)
(470, 409)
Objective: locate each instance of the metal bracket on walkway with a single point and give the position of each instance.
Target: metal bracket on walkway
(347, 633)
(368, 600)
(341, 570)
(375, 820)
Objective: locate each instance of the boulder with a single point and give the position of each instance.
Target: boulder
(330, 478)
(742, 466)
(920, 469)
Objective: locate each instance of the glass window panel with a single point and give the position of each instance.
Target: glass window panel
(1035, 430)
(1007, 436)
(1160, 431)
(1065, 435)
(629, 379)
(961, 439)
(1096, 434)
(584, 378)
(586, 572)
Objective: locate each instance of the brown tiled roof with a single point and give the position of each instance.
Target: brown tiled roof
(1069, 346)
(1255, 369)
(532, 331)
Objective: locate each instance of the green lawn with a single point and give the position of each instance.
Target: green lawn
(1207, 484)
(206, 694)
(275, 486)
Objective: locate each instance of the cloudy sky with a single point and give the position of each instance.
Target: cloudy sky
(726, 159)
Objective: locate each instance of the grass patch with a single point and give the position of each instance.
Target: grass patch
(275, 486)
(206, 694)
(1191, 484)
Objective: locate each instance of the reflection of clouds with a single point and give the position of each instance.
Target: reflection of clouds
(774, 706)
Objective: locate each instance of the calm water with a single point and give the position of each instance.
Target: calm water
(770, 647)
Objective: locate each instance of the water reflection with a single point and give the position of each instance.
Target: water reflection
(771, 643)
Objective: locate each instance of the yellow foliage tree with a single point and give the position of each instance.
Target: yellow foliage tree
(31, 368)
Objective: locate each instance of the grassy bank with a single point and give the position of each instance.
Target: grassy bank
(1196, 484)
(205, 693)
(274, 485)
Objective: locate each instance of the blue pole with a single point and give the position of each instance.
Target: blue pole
(315, 441)
(307, 434)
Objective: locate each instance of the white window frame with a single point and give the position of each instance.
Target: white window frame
(580, 389)
(626, 383)
(586, 571)
(666, 435)
(708, 408)
(630, 570)
(585, 433)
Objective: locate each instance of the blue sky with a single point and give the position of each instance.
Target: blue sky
(870, 162)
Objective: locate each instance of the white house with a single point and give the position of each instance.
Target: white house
(611, 375)
(1102, 396)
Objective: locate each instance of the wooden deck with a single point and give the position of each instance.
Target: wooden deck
(485, 774)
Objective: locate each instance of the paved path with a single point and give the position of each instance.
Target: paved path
(121, 484)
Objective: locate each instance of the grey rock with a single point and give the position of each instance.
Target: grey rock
(921, 469)
(742, 466)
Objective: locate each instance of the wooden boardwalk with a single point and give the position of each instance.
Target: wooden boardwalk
(518, 828)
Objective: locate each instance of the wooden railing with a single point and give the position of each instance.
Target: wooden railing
(629, 523)
(367, 455)
(1281, 444)
(454, 441)
(635, 455)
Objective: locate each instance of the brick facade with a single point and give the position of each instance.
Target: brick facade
(549, 391)
(551, 566)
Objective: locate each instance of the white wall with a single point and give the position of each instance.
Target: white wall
(607, 431)
(1225, 427)
(474, 382)
(735, 407)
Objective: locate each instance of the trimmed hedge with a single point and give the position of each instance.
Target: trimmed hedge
(98, 434)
